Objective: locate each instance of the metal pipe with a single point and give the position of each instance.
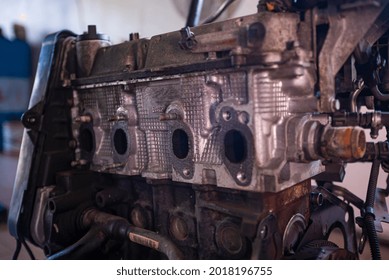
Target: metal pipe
(354, 96)
(118, 228)
(218, 12)
(155, 241)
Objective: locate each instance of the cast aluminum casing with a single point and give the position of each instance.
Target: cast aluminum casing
(238, 128)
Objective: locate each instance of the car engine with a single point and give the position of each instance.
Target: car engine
(218, 141)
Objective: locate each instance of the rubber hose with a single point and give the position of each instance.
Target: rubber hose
(194, 13)
(369, 216)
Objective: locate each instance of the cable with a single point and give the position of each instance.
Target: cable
(89, 236)
(369, 212)
(194, 13)
(218, 12)
(90, 246)
(17, 250)
(29, 252)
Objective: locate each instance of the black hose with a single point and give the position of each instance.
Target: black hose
(194, 13)
(378, 94)
(218, 12)
(373, 238)
(369, 214)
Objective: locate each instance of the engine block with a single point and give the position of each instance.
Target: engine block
(239, 128)
(202, 143)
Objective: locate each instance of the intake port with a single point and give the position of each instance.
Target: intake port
(180, 143)
(87, 140)
(235, 146)
(120, 141)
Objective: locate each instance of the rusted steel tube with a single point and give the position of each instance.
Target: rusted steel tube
(120, 229)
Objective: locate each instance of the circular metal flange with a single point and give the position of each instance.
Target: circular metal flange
(293, 233)
(236, 145)
(181, 148)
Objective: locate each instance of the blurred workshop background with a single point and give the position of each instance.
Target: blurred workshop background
(24, 24)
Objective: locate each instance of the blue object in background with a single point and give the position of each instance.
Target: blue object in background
(5, 56)
(15, 75)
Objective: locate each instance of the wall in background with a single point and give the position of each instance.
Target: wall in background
(116, 18)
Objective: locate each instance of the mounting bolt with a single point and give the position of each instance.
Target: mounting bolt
(113, 166)
(227, 115)
(168, 117)
(244, 118)
(115, 118)
(186, 172)
(30, 119)
(83, 119)
(241, 176)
